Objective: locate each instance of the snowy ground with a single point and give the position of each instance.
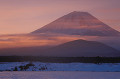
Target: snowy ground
(59, 75)
(38, 66)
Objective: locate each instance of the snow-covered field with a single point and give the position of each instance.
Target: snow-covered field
(39, 66)
(59, 75)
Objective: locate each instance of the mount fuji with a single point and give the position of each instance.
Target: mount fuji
(78, 23)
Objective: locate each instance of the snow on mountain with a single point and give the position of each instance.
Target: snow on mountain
(78, 23)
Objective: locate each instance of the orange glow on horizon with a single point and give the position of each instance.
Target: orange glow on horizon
(12, 41)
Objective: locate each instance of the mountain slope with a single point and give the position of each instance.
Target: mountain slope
(80, 48)
(78, 23)
(77, 48)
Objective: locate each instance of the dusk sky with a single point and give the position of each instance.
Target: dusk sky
(24, 16)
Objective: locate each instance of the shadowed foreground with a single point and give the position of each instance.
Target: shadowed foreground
(96, 60)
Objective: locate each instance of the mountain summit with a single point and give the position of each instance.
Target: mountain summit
(78, 23)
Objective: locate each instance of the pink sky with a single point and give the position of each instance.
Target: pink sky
(24, 16)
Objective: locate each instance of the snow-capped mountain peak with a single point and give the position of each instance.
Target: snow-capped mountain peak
(78, 23)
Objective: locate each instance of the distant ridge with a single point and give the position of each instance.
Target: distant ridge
(78, 23)
(76, 48)
(79, 48)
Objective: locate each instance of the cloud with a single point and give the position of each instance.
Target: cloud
(27, 40)
(7, 40)
(33, 40)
